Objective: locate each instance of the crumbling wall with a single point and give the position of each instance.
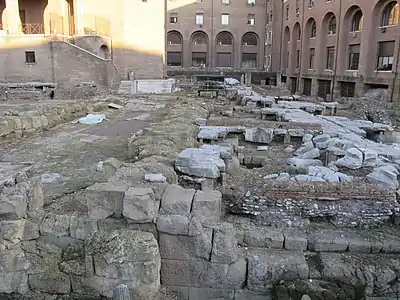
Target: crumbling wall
(345, 204)
(18, 124)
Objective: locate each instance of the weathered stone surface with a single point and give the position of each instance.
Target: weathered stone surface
(51, 283)
(250, 295)
(352, 160)
(307, 146)
(186, 247)
(267, 267)
(13, 205)
(259, 135)
(386, 175)
(173, 224)
(224, 248)
(207, 293)
(295, 240)
(13, 260)
(155, 177)
(139, 205)
(105, 199)
(370, 157)
(177, 200)
(13, 282)
(327, 241)
(266, 238)
(57, 225)
(202, 273)
(16, 231)
(125, 256)
(207, 206)
(81, 226)
(311, 154)
(298, 162)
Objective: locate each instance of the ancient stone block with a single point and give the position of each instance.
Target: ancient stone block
(51, 283)
(176, 200)
(207, 293)
(327, 241)
(139, 205)
(13, 260)
(105, 199)
(250, 295)
(57, 225)
(259, 135)
(266, 267)
(295, 240)
(352, 160)
(12, 282)
(207, 206)
(13, 207)
(81, 226)
(202, 273)
(264, 238)
(224, 249)
(19, 230)
(186, 247)
(173, 224)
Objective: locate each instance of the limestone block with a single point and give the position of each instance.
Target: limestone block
(36, 122)
(44, 122)
(4, 128)
(18, 230)
(176, 200)
(266, 267)
(327, 241)
(81, 226)
(295, 240)
(224, 248)
(186, 247)
(202, 273)
(311, 154)
(173, 224)
(307, 137)
(14, 123)
(139, 205)
(250, 295)
(207, 293)
(57, 225)
(13, 206)
(307, 146)
(296, 132)
(13, 260)
(321, 141)
(207, 206)
(264, 238)
(26, 122)
(352, 160)
(259, 135)
(12, 282)
(128, 256)
(105, 199)
(51, 283)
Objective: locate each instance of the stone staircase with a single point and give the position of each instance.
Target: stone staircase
(126, 87)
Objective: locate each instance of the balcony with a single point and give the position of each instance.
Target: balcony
(32, 28)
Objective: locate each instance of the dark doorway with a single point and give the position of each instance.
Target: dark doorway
(347, 89)
(307, 83)
(324, 88)
(293, 84)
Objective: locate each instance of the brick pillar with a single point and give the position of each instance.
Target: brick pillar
(13, 18)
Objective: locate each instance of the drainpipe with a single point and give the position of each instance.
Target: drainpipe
(336, 49)
(301, 45)
(396, 71)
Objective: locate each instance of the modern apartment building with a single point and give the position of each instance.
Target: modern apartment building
(335, 47)
(70, 41)
(215, 35)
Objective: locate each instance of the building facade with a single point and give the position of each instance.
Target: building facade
(334, 48)
(215, 34)
(69, 41)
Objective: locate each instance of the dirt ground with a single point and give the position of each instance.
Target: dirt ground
(67, 155)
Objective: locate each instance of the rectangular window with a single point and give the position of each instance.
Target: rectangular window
(251, 19)
(249, 60)
(287, 12)
(330, 57)
(385, 56)
(354, 56)
(251, 1)
(225, 1)
(30, 57)
(173, 18)
(174, 59)
(224, 60)
(311, 58)
(199, 59)
(297, 59)
(199, 18)
(225, 19)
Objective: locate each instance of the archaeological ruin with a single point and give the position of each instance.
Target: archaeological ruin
(253, 194)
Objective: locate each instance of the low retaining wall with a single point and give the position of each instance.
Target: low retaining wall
(345, 204)
(153, 86)
(28, 122)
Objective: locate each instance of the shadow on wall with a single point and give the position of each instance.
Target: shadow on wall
(239, 45)
(28, 59)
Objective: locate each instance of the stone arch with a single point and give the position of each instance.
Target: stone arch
(329, 24)
(199, 38)
(389, 13)
(357, 20)
(311, 27)
(174, 38)
(199, 49)
(224, 50)
(250, 39)
(105, 52)
(249, 49)
(296, 31)
(295, 46)
(285, 48)
(224, 38)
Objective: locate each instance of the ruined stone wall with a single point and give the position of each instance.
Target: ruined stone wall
(18, 124)
(345, 205)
